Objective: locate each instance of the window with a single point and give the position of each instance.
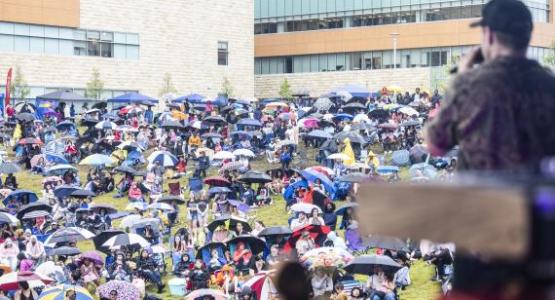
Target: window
(223, 54)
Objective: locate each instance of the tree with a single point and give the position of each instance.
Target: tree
(227, 88)
(167, 86)
(19, 88)
(95, 85)
(549, 59)
(285, 90)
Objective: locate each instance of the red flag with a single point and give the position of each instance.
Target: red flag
(8, 83)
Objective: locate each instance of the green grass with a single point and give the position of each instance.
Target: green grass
(422, 287)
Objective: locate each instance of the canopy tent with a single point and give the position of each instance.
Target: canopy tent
(133, 97)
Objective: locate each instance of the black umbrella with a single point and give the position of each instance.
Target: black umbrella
(353, 106)
(102, 237)
(255, 177)
(380, 114)
(385, 242)
(319, 134)
(125, 170)
(25, 117)
(82, 194)
(232, 223)
(171, 124)
(209, 246)
(35, 214)
(108, 208)
(215, 120)
(326, 123)
(363, 126)
(89, 121)
(33, 207)
(366, 264)
(100, 105)
(71, 234)
(9, 168)
(418, 154)
(340, 211)
(256, 245)
(353, 136)
(170, 199)
(66, 251)
(275, 230)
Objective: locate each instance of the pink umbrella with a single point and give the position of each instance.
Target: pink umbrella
(10, 281)
(311, 123)
(94, 256)
(262, 285)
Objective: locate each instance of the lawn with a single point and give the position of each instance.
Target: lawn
(422, 287)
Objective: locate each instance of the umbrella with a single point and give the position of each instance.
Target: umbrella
(354, 177)
(125, 239)
(309, 123)
(407, 110)
(126, 170)
(338, 156)
(9, 168)
(219, 190)
(323, 104)
(360, 118)
(164, 158)
(215, 120)
(30, 141)
(102, 237)
(353, 136)
(171, 124)
(10, 281)
(217, 181)
(388, 126)
(410, 123)
(161, 206)
(206, 294)
(234, 165)
(232, 223)
(275, 105)
(25, 117)
(223, 155)
(353, 90)
(380, 114)
(319, 134)
(385, 242)
(6, 218)
(128, 145)
(65, 251)
(97, 160)
(20, 195)
(211, 135)
(326, 257)
(255, 177)
(256, 245)
(93, 256)
(353, 106)
(126, 128)
(341, 211)
(33, 207)
(128, 221)
(35, 214)
(50, 269)
(366, 264)
(384, 170)
(55, 158)
(275, 230)
(305, 208)
(59, 293)
(263, 287)
(99, 207)
(423, 170)
(170, 199)
(343, 117)
(400, 157)
(104, 125)
(69, 234)
(82, 194)
(132, 97)
(317, 233)
(363, 126)
(243, 152)
(126, 291)
(60, 170)
(64, 191)
(418, 153)
(137, 205)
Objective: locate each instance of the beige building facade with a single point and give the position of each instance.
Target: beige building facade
(133, 44)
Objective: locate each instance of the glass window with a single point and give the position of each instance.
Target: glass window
(314, 63)
(332, 62)
(120, 38)
(107, 36)
(93, 35)
(377, 60)
(132, 39)
(223, 53)
(106, 49)
(305, 6)
(79, 35)
(37, 44)
(66, 47)
(387, 59)
(21, 29)
(80, 48)
(435, 58)
(6, 43)
(132, 52)
(54, 32)
(51, 46)
(306, 64)
(6, 28)
(341, 64)
(22, 43)
(120, 51)
(356, 61)
(93, 48)
(263, 8)
(65, 33)
(37, 31)
(288, 7)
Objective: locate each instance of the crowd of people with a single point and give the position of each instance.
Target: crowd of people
(190, 181)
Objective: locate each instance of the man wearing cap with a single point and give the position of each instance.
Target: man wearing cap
(500, 107)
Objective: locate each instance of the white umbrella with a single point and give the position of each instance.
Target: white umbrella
(243, 152)
(125, 239)
(127, 222)
(49, 269)
(338, 156)
(8, 218)
(165, 158)
(196, 124)
(305, 207)
(360, 118)
(137, 205)
(161, 206)
(345, 95)
(408, 111)
(69, 234)
(224, 155)
(158, 249)
(106, 125)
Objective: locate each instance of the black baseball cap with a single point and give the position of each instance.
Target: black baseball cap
(506, 16)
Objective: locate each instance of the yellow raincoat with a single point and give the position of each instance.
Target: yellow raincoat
(17, 132)
(372, 160)
(348, 150)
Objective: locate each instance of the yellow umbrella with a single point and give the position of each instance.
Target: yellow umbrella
(176, 114)
(395, 89)
(348, 151)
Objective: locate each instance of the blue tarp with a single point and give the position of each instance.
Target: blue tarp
(133, 98)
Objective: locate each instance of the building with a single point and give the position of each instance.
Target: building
(133, 44)
(321, 44)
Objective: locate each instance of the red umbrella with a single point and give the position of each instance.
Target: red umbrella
(10, 281)
(217, 181)
(317, 233)
(30, 141)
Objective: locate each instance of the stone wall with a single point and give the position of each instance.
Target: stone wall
(267, 86)
(176, 36)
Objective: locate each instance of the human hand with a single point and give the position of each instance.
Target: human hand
(468, 61)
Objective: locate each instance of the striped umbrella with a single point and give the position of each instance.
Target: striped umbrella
(124, 240)
(164, 158)
(59, 293)
(105, 125)
(262, 285)
(10, 281)
(69, 234)
(97, 160)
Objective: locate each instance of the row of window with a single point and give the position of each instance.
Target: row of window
(35, 91)
(406, 58)
(25, 38)
(313, 9)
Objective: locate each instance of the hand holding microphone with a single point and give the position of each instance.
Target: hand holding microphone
(468, 61)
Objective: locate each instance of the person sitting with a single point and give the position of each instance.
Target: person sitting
(25, 292)
(147, 269)
(135, 193)
(322, 283)
(402, 276)
(315, 218)
(299, 222)
(380, 286)
(215, 262)
(199, 276)
(39, 167)
(225, 279)
(35, 250)
(304, 244)
(244, 260)
(183, 267)
(11, 182)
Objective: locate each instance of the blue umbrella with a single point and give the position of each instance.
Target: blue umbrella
(249, 122)
(240, 205)
(60, 169)
(133, 97)
(55, 158)
(18, 195)
(290, 190)
(384, 170)
(242, 133)
(219, 190)
(164, 158)
(221, 101)
(401, 157)
(64, 191)
(319, 134)
(110, 116)
(341, 211)
(191, 98)
(65, 125)
(343, 117)
(312, 175)
(354, 90)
